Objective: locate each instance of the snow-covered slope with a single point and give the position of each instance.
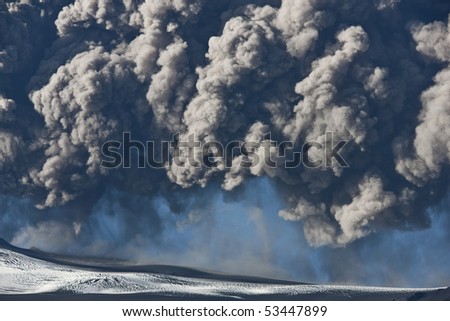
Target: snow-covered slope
(28, 274)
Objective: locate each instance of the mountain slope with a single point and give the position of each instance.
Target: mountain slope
(27, 274)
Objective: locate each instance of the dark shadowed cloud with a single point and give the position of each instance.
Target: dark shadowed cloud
(74, 75)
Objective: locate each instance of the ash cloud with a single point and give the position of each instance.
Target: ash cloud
(74, 75)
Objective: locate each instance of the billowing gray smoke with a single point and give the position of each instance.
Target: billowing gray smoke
(375, 73)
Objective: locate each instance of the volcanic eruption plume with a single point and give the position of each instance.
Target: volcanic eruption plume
(77, 74)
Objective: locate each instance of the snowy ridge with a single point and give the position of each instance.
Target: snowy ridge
(34, 275)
